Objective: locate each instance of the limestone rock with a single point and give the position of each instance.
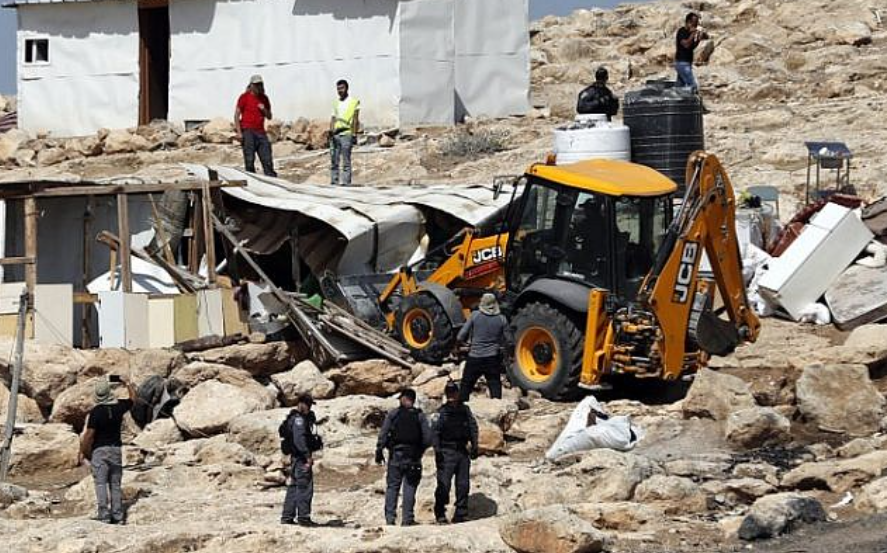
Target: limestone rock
(715, 395)
(74, 404)
(760, 471)
(873, 497)
(840, 398)
(25, 157)
(757, 427)
(159, 362)
(44, 449)
(218, 131)
(622, 516)
(318, 135)
(857, 447)
(491, 439)
(209, 407)
(51, 156)
(10, 493)
(500, 412)
(703, 469)
(121, 141)
(257, 359)
(609, 475)
(372, 377)
(298, 131)
(553, 529)
(304, 378)
(865, 336)
(10, 141)
(738, 491)
(87, 146)
(683, 494)
(837, 476)
(386, 141)
(779, 514)
(196, 372)
(27, 409)
(218, 451)
(158, 433)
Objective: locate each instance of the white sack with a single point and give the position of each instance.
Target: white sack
(613, 433)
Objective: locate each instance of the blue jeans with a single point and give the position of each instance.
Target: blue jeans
(257, 142)
(684, 70)
(341, 148)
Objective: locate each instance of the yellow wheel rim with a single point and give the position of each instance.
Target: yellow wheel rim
(537, 354)
(418, 328)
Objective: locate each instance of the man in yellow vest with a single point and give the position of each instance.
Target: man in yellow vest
(343, 133)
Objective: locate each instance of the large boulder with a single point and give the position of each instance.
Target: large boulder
(10, 141)
(873, 497)
(738, 490)
(715, 395)
(137, 366)
(218, 131)
(159, 433)
(207, 409)
(304, 378)
(609, 475)
(44, 449)
(10, 493)
(757, 427)
(374, 377)
(868, 336)
(197, 372)
(837, 476)
(778, 514)
(499, 412)
(74, 404)
(491, 439)
(840, 398)
(27, 409)
(681, 494)
(121, 141)
(257, 359)
(51, 156)
(48, 370)
(553, 529)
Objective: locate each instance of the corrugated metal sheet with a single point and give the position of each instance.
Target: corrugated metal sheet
(9, 121)
(349, 230)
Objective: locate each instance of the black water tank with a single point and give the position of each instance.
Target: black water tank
(666, 127)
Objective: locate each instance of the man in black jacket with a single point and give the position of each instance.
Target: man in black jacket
(300, 492)
(452, 432)
(406, 434)
(597, 98)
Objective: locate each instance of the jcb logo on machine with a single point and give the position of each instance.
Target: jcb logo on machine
(486, 254)
(685, 272)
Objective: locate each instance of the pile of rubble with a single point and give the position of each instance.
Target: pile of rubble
(745, 456)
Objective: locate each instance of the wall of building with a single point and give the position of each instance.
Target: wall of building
(92, 77)
(427, 62)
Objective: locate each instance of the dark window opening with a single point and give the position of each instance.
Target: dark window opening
(36, 50)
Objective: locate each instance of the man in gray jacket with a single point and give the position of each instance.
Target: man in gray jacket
(406, 435)
(490, 335)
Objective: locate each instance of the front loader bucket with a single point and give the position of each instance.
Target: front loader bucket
(357, 294)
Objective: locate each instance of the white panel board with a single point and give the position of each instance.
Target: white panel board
(210, 317)
(112, 321)
(135, 312)
(91, 79)
(54, 314)
(161, 322)
(10, 292)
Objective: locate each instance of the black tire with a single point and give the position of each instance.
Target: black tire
(432, 320)
(547, 353)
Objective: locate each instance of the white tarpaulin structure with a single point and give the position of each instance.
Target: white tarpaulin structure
(84, 64)
(348, 230)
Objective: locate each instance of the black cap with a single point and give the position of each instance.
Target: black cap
(306, 399)
(408, 392)
(451, 388)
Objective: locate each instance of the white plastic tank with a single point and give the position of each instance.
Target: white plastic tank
(591, 136)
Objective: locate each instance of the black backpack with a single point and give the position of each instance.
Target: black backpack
(454, 426)
(285, 431)
(406, 428)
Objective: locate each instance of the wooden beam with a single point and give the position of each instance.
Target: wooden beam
(85, 297)
(209, 241)
(30, 206)
(17, 260)
(133, 188)
(123, 234)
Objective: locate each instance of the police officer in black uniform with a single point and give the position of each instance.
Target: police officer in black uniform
(406, 434)
(300, 493)
(453, 431)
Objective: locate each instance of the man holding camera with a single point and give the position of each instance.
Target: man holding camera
(687, 39)
(101, 446)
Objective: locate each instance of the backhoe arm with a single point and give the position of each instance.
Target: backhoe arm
(674, 292)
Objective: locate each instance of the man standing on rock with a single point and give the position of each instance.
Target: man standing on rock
(343, 133)
(490, 334)
(253, 107)
(101, 445)
(453, 430)
(300, 492)
(687, 39)
(406, 435)
(598, 98)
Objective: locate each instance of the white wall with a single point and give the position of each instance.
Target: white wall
(301, 48)
(427, 62)
(91, 80)
(492, 57)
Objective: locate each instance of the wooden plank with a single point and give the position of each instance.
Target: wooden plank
(85, 308)
(85, 297)
(234, 323)
(209, 241)
(124, 237)
(113, 189)
(17, 260)
(194, 249)
(30, 206)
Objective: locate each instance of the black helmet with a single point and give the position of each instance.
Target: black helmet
(601, 75)
(451, 389)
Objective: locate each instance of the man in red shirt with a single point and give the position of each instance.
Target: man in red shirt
(253, 107)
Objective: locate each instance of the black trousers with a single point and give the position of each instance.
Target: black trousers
(488, 367)
(257, 142)
(452, 464)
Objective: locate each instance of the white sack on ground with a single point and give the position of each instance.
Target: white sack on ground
(614, 433)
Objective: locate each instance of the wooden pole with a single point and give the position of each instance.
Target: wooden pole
(209, 239)
(30, 205)
(6, 447)
(85, 340)
(123, 234)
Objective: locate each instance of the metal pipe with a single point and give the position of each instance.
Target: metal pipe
(6, 448)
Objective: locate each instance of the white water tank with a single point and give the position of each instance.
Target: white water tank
(591, 136)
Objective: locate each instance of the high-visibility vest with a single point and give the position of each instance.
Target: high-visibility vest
(344, 120)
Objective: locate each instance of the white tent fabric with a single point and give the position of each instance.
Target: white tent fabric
(613, 433)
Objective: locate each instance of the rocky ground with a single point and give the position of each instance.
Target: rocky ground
(785, 437)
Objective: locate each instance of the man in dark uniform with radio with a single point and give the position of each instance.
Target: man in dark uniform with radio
(406, 435)
(299, 428)
(453, 431)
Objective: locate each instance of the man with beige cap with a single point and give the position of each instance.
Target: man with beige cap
(101, 445)
(253, 107)
(490, 336)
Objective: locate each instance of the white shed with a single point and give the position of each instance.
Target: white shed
(84, 64)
